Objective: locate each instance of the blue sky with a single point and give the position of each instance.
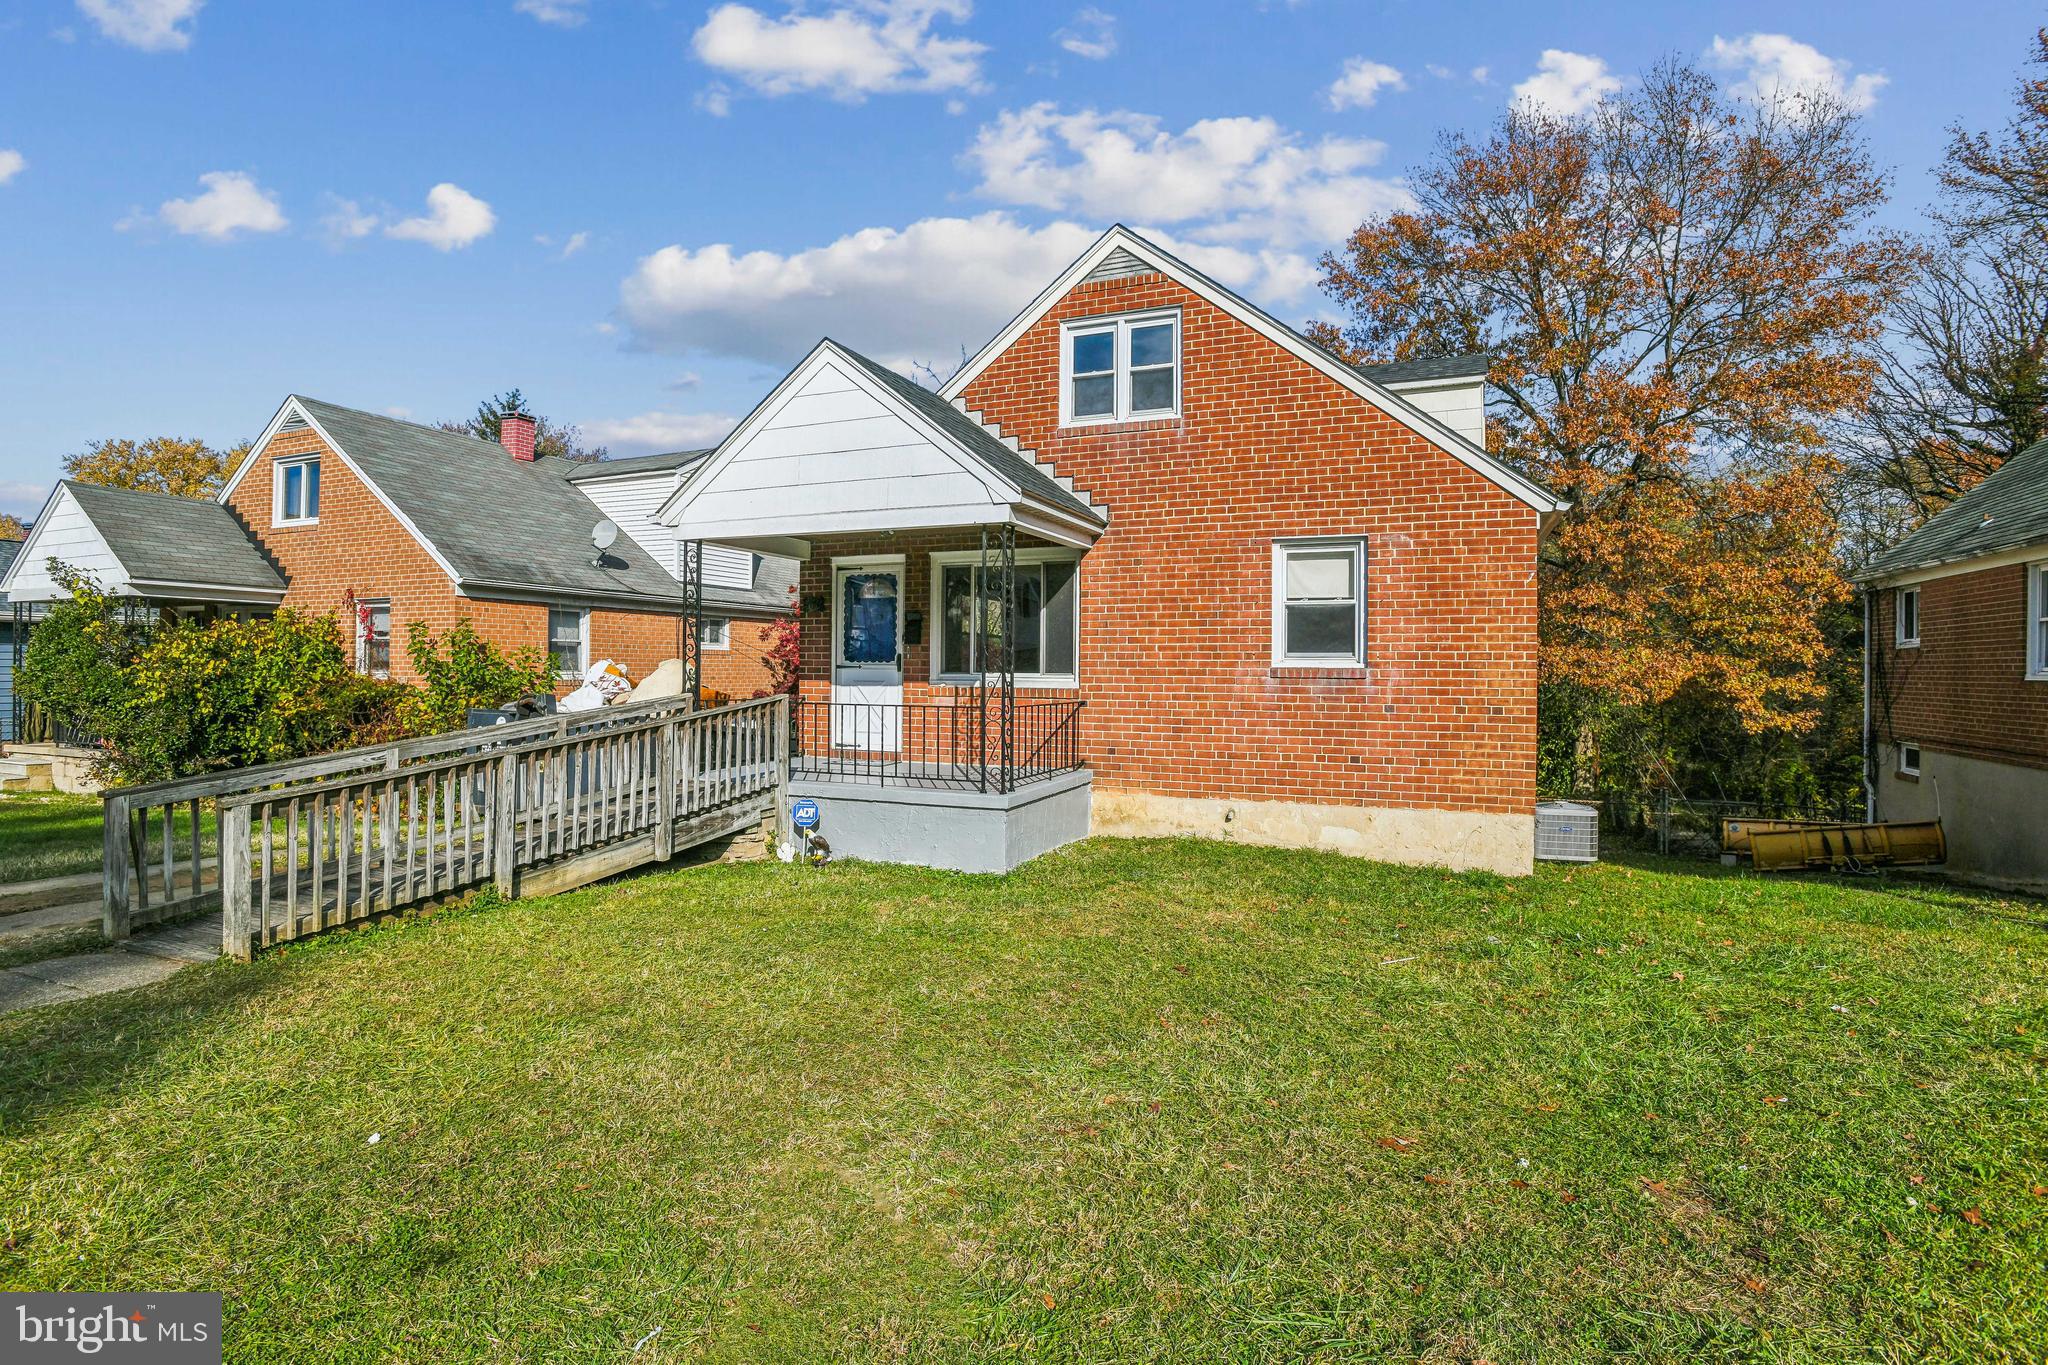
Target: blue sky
(641, 211)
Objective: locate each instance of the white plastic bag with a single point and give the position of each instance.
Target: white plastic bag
(603, 682)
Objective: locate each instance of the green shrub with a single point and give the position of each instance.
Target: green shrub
(463, 670)
(78, 656)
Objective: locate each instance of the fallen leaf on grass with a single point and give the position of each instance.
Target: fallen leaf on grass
(1434, 1180)
(2039, 1191)
(1397, 1144)
(1678, 976)
(1649, 1117)
(1973, 1217)
(1519, 1184)
(1777, 1099)
(1048, 1301)
(1567, 1196)
(1754, 1285)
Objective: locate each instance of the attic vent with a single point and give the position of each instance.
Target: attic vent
(1117, 265)
(295, 422)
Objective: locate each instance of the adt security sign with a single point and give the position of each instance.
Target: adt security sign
(803, 813)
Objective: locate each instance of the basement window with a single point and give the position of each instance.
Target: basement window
(1908, 617)
(569, 641)
(1909, 760)
(717, 633)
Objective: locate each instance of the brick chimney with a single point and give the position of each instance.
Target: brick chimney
(515, 433)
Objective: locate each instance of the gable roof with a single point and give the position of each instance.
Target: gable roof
(1355, 378)
(976, 439)
(2007, 511)
(161, 538)
(495, 524)
(998, 474)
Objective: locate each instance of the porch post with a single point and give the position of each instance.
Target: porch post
(692, 566)
(1006, 586)
(978, 599)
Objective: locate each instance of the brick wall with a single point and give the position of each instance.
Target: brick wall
(1176, 597)
(358, 548)
(1964, 689)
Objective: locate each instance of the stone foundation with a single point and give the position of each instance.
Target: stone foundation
(1456, 839)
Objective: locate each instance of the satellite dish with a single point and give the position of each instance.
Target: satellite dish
(604, 535)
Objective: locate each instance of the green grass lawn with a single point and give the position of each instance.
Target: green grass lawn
(1142, 1100)
(47, 834)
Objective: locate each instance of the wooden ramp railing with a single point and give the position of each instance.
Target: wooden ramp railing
(529, 808)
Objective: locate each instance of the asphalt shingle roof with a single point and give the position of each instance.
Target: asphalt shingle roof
(2006, 511)
(8, 550)
(496, 520)
(1472, 365)
(165, 539)
(975, 438)
(633, 464)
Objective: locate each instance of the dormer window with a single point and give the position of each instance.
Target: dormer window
(296, 496)
(1123, 369)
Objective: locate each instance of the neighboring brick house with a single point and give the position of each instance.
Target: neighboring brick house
(387, 523)
(1296, 596)
(1956, 682)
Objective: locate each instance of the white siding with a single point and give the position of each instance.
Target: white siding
(632, 502)
(1460, 406)
(63, 533)
(833, 455)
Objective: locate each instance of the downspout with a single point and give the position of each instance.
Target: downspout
(1869, 786)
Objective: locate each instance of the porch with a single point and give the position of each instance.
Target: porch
(939, 711)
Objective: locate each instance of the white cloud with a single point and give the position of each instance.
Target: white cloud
(867, 47)
(905, 296)
(12, 163)
(152, 25)
(232, 203)
(914, 293)
(563, 13)
(454, 218)
(686, 381)
(22, 495)
(1091, 34)
(1566, 83)
(1775, 67)
(1223, 180)
(1362, 82)
(658, 431)
(1438, 70)
(345, 220)
(1482, 75)
(577, 241)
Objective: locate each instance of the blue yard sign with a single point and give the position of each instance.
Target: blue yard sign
(803, 813)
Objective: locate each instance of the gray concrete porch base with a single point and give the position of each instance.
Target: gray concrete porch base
(962, 831)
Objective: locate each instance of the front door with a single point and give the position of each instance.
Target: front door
(867, 655)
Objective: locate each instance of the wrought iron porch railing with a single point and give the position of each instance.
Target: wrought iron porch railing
(952, 747)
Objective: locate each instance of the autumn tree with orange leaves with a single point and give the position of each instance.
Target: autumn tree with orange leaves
(1679, 292)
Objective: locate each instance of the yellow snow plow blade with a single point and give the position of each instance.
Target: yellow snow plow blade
(1888, 845)
(1735, 832)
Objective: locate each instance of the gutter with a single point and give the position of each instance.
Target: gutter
(1869, 785)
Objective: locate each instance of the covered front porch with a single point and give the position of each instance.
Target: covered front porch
(939, 716)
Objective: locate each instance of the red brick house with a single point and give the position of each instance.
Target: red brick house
(387, 522)
(1956, 676)
(1150, 563)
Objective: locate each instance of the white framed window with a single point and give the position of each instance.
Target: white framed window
(569, 641)
(1047, 611)
(1906, 603)
(1120, 369)
(717, 633)
(295, 492)
(373, 636)
(1319, 603)
(1909, 760)
(2037, 622)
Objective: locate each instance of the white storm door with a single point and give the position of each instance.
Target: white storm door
(867, 655)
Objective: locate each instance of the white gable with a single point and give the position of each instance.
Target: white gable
(829, 451)
(63, 532)
(1459, 404)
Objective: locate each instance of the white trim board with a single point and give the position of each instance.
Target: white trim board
(1382, 398)
(1997, 559)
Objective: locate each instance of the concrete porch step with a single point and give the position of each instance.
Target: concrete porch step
(27, 775)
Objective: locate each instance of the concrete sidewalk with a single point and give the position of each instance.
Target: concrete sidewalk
(147, 958)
